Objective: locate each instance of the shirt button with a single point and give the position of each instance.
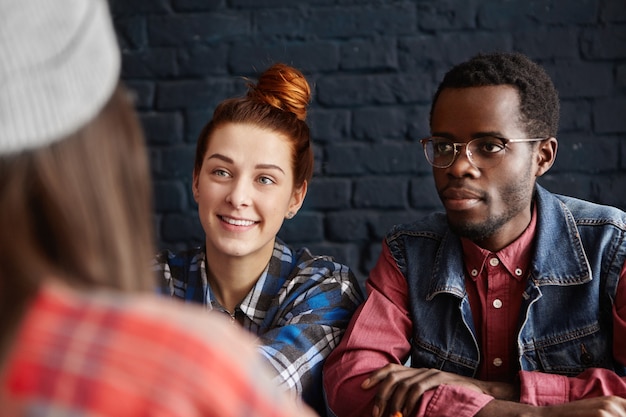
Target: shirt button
(497, 303)
(474, 272)
(497, 362)
(518, 272)
(494, 261)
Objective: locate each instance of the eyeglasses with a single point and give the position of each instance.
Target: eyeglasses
(483, 152)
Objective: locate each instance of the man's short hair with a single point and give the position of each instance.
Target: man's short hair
(539, 100)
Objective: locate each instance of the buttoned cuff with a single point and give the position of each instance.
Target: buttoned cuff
(538, 388)
(456, 401)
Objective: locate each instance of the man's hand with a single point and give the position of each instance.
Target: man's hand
(400, 388)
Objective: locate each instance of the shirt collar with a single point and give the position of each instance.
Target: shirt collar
(515, 257)
(249, 306)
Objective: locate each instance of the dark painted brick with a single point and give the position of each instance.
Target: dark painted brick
(195, 121)
(583, 153)
(162, 128)
(170, 196)
(570, 184)
(575, 79)
(371, 255)
(344, 160)
(609, 115)
(605, 43)
(131, 32)
(329, 125)
(613, 11)
(418, 122)
(446, 14)
(566, 12)
(389, 218)
(346, 90)
(380, 193)
(328, 194)
(304, 227)
(610, 190)
(179, 29)
(347, 226)
(377, 124)
(621, 76)
(197, 5)
(391, 158)
(156, 162)
(522, 14)
(138, 7)
(182, 228)
(350, 21)
(575, 116)
(449, 49)
(253, 57)
(202, 60)
(149, 63)
(285, 22)
(143, 93)
(176, 162)
(194, 94)
(318, 160)
(373, 66)
(547, 43)
(423, 194)
(275, 3)
(370, 54)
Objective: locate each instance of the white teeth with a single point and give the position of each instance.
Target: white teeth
(238, 222)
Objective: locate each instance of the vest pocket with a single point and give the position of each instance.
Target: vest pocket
(573, 352)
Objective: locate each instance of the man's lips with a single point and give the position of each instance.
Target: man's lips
(460, 194)
(460, 198)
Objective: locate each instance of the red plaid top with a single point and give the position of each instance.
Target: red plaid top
(111, 355)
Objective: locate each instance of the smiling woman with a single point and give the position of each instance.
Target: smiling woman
(254, 160)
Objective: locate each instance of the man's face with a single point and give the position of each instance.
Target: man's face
(490, 206)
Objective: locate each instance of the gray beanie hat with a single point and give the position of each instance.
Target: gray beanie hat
(59, 65)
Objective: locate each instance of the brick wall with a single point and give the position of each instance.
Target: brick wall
(374, 66)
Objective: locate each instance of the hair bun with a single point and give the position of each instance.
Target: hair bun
(283, 87)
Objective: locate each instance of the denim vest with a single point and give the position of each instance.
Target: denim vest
(565, 319)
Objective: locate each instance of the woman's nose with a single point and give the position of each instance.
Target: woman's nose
(239, 195)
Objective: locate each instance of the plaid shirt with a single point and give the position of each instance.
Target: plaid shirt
(107, 355)
(299, 308)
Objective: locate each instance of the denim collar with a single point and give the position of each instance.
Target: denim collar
(558, 259)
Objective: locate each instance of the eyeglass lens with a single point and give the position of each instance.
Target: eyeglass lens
(482, 152)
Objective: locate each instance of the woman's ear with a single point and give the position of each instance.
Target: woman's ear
(297, 199)
(194, 186)
(546, 155)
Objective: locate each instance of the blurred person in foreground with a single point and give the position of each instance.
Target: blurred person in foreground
(254, 161)
(513, 301)
(82, 332)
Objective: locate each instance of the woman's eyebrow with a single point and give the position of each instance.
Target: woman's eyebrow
(269, 166)
(257, 166)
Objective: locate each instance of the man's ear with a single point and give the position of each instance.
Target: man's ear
(546, 155)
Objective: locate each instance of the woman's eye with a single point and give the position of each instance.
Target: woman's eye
(220, 173)
(266, 180)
